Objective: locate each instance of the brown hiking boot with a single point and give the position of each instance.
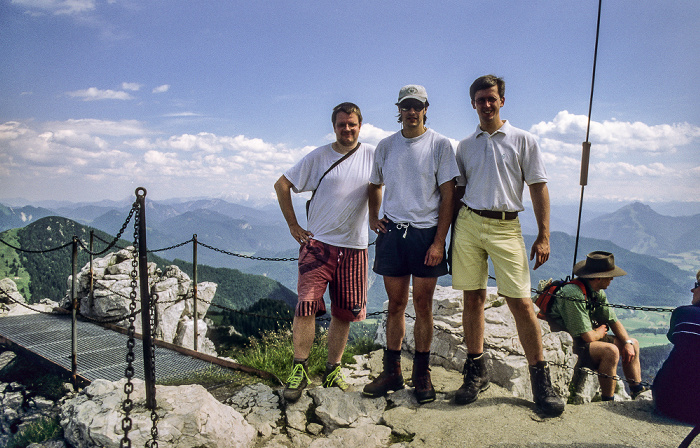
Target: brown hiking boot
(297, 381)
(390, 379)
(546, 399)
(423, 387)
(475, 380)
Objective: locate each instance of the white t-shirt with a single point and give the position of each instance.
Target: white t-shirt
(338, 214)
(412, 169)
(494, 168)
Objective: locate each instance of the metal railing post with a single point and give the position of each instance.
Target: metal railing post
(194, 291)
(148, 368)
(74, 323)
(92, 272)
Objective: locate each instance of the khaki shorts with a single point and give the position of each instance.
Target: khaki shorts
(475, 240)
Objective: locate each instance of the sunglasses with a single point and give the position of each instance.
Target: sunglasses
(696, 285)
(417, 106)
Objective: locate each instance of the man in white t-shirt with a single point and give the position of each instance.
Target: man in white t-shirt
(333, 250)
(495, 163)
(418, 169)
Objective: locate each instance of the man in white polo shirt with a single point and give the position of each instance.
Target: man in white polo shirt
(495, 163)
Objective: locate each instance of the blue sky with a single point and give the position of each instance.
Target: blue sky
(218, 98)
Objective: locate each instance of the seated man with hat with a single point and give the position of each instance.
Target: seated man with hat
(588, 319)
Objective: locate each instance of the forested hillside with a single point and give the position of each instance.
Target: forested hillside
(45, 274)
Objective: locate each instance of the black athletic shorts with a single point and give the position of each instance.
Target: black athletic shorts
(401, 251)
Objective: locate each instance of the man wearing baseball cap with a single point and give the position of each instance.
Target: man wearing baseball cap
(588, 319)
(417, 167)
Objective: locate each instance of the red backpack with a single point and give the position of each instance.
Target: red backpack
(545, 297)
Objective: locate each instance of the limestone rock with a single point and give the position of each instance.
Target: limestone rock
(188, 416)
(505, 358)
(260, 407)
(338, 409)
(12, 303)
(9, 288)
(365, 436)
(172, 289)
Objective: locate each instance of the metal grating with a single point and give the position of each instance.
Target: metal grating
(101, 353)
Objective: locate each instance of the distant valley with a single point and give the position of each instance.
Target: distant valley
(659, 252)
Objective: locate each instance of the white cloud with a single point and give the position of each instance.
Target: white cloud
(93, 94)
(372, 134)
(91, 157)
(131, 86)
(161, 89)
(182, 114)
(99, 127)
(57, 7)
(566, 132)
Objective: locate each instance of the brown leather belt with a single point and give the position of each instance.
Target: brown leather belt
(494, 214)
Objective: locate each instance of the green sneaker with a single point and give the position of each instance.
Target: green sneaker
(335, 378)
(297, 381)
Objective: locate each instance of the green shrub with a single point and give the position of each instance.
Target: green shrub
(36, 432)
(274, 351)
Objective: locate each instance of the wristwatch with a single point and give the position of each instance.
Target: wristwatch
(629, 341)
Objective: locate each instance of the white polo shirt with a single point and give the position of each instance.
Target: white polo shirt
(495, 168)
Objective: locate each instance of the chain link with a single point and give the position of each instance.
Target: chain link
(128, 404)
(134, 207)
(43, 251)
(153, 323)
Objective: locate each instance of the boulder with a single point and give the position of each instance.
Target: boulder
(172, 289)
(505, 358)
(189, 416)
(260, 407)
(12, 303)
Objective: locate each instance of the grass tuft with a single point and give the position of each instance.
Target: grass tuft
(36, 432)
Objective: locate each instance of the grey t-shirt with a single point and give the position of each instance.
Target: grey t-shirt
(412, 170)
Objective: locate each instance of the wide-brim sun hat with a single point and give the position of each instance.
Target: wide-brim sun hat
(598, 264)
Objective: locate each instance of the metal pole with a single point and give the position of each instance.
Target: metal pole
(92, 272)
(194, 291)
(149, 373)
(586, 151)
(74, 324)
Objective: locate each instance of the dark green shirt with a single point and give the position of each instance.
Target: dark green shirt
(574, 316)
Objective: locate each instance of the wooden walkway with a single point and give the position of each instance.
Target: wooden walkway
(101, 352)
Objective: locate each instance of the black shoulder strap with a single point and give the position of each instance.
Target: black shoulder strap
(336, 163)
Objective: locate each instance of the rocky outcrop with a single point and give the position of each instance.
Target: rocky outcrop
(188, 416)
(173, 289)
(20, 407)
(505, 358)
(12, 303)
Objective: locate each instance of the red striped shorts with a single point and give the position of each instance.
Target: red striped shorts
(342, 270)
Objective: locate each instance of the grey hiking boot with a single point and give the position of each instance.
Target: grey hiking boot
(546, 399)
(334, 378)
(475, 380)
(391, 378)
(297, 381)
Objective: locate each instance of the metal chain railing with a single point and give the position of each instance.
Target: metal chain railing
(127, 403)
(111, 244)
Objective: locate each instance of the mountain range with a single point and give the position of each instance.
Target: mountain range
(660, 253)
